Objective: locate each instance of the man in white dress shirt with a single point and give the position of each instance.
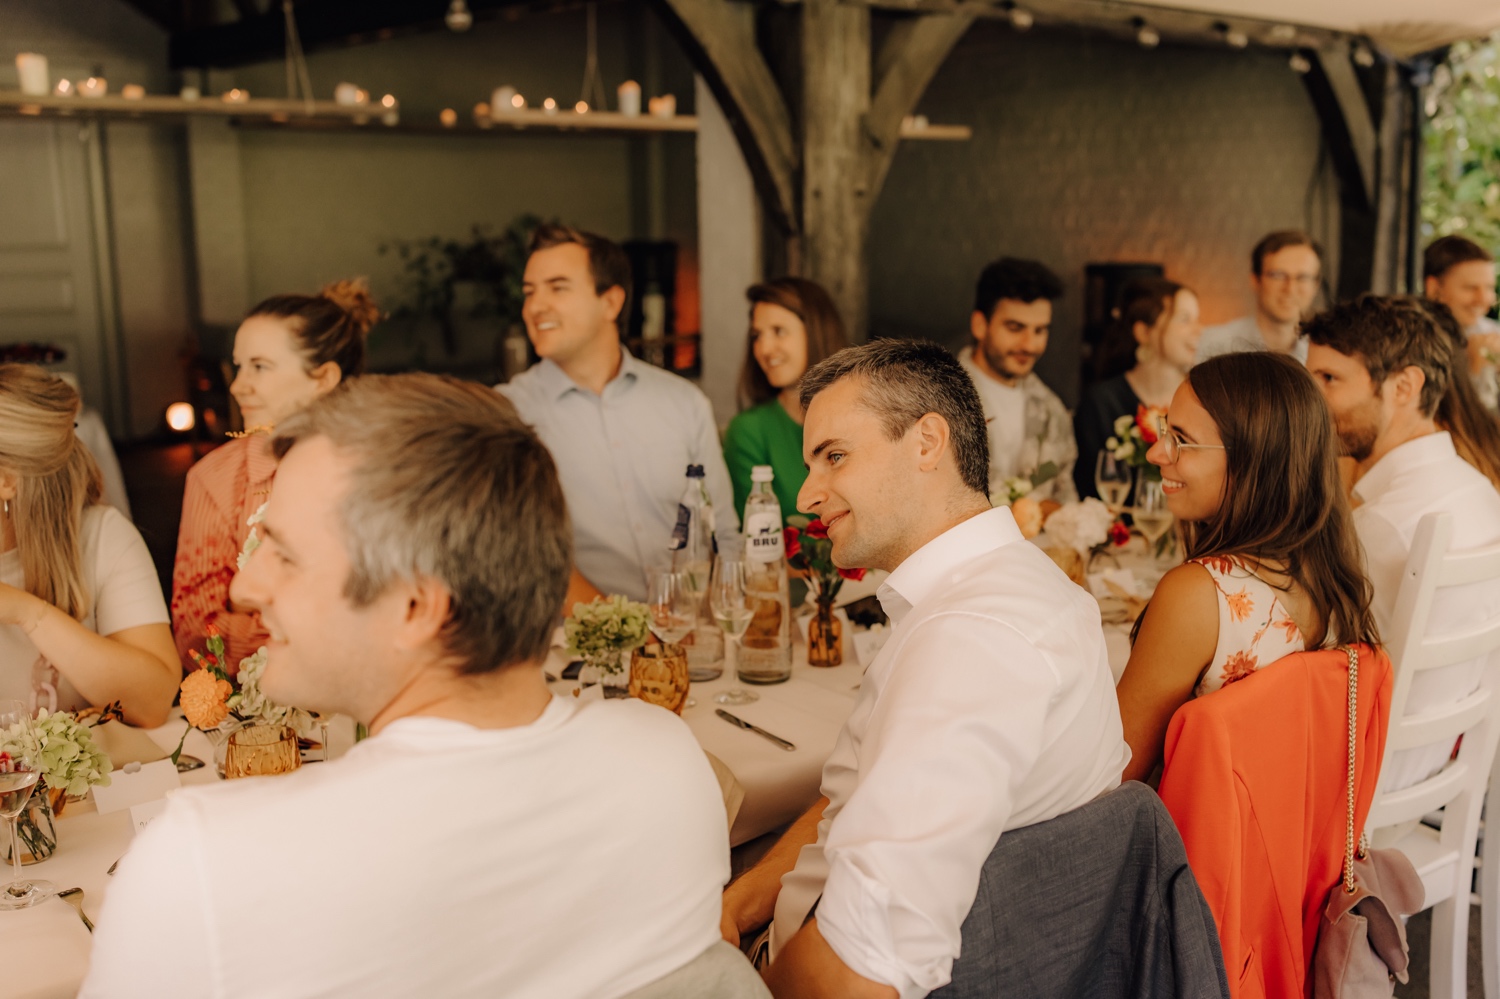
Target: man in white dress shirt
(991, 706)
(1383, 365)
(488, 839)
(1461, 274)
(1286, 270)
(622, 431)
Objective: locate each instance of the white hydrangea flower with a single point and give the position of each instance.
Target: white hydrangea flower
(252, 705)
(252, 540)
(1081, 525)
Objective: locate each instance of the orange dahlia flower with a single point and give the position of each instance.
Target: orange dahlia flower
(204, 698)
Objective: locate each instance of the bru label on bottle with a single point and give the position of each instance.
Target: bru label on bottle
(680, 530)
(763, 537)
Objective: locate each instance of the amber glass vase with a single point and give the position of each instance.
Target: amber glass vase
(260, 751)
(825, 637)
(659, 675)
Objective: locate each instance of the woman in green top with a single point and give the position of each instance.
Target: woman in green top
(793, 325)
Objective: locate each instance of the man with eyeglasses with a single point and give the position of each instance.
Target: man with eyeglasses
(1286, 271)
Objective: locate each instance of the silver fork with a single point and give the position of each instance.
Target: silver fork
(74, 897)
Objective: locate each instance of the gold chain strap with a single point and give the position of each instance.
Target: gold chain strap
(1353, 732)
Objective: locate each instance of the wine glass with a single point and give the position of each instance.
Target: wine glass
(673, 604)
(733, 612)
(1150, 513)
(19, 772)
(1113, 477)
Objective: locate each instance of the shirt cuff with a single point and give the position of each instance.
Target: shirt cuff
(854, 917)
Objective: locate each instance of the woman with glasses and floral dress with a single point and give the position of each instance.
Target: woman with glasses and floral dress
(1248, 458)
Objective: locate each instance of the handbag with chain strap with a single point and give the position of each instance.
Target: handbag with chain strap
(1361, 949)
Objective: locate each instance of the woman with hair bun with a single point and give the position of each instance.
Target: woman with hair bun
(82, 620)
(289, 350)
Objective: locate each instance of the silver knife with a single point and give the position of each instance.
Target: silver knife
(731, 719)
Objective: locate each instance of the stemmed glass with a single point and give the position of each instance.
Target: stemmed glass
(19, 772)
(673, 604)
(1150, 513)
(1113, 478)
(732, 611)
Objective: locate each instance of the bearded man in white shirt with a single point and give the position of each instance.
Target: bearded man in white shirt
(488, 839)
(1383, 364)
(991, 706)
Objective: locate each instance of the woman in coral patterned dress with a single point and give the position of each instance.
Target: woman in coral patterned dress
(289, 350)
(1248, 457)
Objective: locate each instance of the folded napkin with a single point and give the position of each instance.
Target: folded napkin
(44, 950)
(124, 744)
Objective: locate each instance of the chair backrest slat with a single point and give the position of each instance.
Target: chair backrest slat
(1430, 567)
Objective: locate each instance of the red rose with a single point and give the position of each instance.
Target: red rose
(1145, 421)
(791, 541)
(817, 530)
(1119, 534)
(854, 575)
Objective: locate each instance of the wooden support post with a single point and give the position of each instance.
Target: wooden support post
(835, 186)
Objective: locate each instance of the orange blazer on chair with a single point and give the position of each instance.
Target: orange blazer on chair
(1255, 777)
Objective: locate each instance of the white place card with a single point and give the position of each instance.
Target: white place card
(141, 815)
(132, 785)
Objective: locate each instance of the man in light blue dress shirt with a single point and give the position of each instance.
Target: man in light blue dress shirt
(621, 431)
(1286, 271)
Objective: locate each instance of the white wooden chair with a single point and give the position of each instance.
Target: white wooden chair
(1444, 859)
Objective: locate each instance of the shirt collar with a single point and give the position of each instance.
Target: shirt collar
(966, 358)
(1401, 459)
(927, 568)
(557, 383)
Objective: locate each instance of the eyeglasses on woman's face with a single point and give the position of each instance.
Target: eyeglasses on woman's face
(1174, 445)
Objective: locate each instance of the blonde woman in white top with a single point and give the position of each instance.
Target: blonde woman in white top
(1248, 457)
(82, 619)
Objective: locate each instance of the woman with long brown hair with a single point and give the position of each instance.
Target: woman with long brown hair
(288, 351)
(793, 325)
(82, 620)
(1474, 429)
(1248, 457)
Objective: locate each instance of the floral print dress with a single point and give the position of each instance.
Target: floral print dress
(1255, 628)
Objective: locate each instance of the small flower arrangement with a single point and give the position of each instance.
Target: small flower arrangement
(1086, 526)
(809, 551)
(1020, 486)
(69, 760)
(1134, 436)
(209, 698)
(606, 627)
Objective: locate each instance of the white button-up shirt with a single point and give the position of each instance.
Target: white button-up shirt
(1424, 476)
(622, 458)
(991, 707)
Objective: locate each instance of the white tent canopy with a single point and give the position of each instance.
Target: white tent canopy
(1401, 27)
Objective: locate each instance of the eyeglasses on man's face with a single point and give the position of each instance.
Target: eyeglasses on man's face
(1174, 445)
(1285, 277)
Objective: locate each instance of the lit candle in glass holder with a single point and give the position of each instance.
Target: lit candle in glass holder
(629, 94)
(448, 117)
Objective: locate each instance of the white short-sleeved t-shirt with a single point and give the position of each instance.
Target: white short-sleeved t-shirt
(124, 592)
(582, 855)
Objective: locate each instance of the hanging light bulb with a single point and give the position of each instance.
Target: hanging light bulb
(1299, 63)
(1145, 35)
(1020, 18)
(1362, 55)
(1284, 33)
(458, 17)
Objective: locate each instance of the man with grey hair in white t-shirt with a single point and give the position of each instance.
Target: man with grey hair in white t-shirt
(488, 838)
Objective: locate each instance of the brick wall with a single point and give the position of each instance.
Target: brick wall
(1089, 149)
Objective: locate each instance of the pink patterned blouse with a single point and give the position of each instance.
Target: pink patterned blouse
(1255, 629)
(223, 490)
